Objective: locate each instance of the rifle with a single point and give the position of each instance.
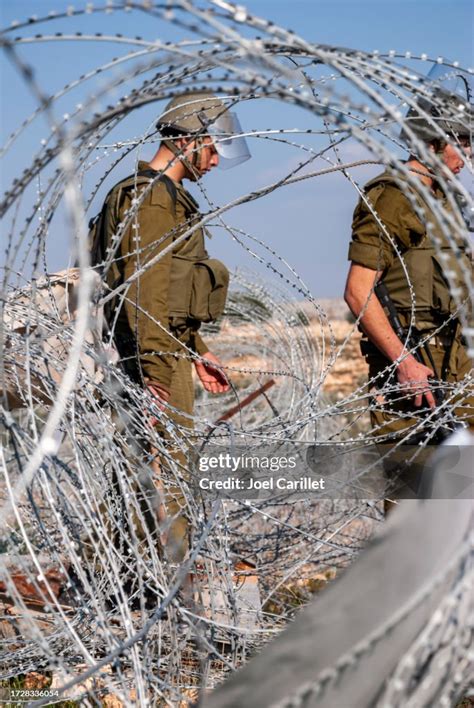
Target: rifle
(414, 342)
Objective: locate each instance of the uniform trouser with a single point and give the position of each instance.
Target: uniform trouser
(176, 527)
(167, 531)
(394, 414)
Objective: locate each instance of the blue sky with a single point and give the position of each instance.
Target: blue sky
(308, 225)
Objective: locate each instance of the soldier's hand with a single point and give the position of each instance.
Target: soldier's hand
(413, 378)
(160, 397)
(212, 378)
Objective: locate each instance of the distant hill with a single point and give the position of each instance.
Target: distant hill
(335, 308)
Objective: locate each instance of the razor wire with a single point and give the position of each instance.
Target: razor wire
(87, 596)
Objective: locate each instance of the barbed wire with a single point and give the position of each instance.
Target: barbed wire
(89, 594)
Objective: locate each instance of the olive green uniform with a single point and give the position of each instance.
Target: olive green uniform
(149, 323)
(159, 317)
(417, 287)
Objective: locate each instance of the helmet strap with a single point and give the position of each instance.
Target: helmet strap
(192, 165)
(196, 159)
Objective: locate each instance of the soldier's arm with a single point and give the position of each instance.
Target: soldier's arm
(360, 298)
(363, 303)
(200, 346)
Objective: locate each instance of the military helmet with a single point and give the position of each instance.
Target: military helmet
(449, 110)
(443, 115)
(201, 113)
(191, 113)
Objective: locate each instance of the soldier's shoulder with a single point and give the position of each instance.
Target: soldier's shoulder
(384, 181)
(163, 193)
(386, 191)
(158, 191)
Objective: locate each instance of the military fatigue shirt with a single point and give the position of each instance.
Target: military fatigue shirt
(370, 246)
(395, 218)
(143, 316)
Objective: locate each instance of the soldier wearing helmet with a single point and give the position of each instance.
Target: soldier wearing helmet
(399, 240)
(156, 326)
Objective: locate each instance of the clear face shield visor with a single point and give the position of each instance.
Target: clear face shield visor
(226, 133)
(458, 82)
(454, 80)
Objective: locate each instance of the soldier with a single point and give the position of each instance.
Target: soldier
(392, 242)
(155, 326)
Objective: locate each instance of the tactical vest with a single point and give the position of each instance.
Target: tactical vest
(198, 284)
(417, 279)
